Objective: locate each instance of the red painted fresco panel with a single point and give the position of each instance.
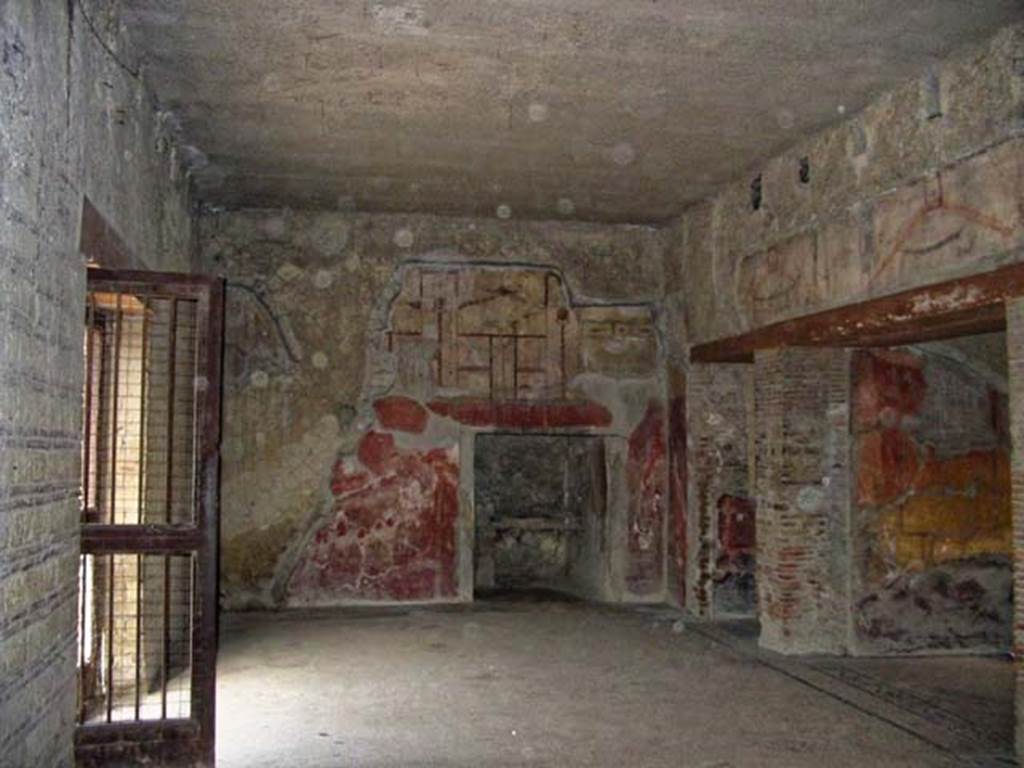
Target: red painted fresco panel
(646, 477)
(402, 414)
(392, 533)
(523, 414)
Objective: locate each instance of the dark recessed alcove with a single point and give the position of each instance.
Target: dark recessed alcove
(540, 512)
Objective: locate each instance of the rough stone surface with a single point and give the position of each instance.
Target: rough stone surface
(74, 122)
(719, 400)
(894, 200)
(611, 111)
(541, 512)
(932, 524)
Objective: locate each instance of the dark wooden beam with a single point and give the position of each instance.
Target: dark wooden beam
(961, 307)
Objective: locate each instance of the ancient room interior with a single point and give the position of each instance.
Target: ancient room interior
(465, 383)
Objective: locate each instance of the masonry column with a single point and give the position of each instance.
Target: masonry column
(1015, 369)
(801, 484)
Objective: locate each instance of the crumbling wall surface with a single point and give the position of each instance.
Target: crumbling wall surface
(673, 329)
(932, 538)
(75, 120)
(677, 548)
(719, 568)
(348, 332)
(1015, 381)
(923, 185)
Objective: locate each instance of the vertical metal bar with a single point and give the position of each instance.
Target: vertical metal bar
(115, 395)
(172, 341)
(195, 416)
(140, 518)
(115, 401)
(166, 642)
(90, 318)
(110, 638)
(138, 634)
(143, 431)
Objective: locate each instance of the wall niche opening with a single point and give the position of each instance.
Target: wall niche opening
(541, 503)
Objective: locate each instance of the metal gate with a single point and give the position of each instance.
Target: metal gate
(147, 627)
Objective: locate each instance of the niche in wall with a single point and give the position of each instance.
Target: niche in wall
(540, 512)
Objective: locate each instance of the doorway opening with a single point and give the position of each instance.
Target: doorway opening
(932, 538)
(147, 575)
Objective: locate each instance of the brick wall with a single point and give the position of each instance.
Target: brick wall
(74, 122)
(802, 490)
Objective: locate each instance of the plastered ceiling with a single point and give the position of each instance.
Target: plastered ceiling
(611, 110)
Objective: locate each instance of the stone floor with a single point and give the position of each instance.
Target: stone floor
(558, 683)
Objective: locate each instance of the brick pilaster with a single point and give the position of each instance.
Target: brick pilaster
(801, 473)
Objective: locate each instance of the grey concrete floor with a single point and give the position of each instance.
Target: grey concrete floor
(553, 683)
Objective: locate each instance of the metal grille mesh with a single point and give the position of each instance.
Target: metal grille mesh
(138, 467)
(139, 448)
(135, 649)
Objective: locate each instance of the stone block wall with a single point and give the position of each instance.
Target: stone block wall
(802, 470)
(76, 121)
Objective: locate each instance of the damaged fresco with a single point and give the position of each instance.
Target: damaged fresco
(891, 201)
(361, 374)
(392, 534)
(932, 541)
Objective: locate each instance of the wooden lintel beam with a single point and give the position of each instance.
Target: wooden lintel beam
(960, 307)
